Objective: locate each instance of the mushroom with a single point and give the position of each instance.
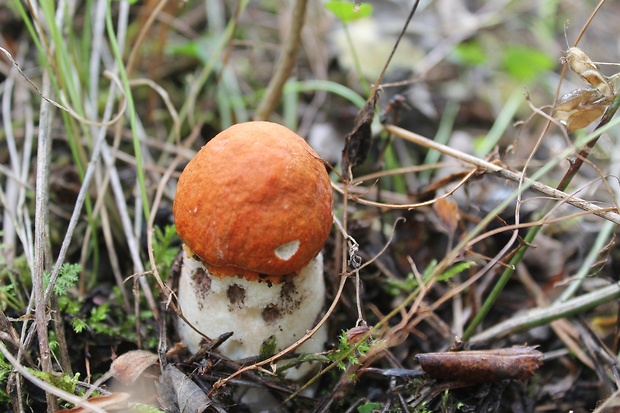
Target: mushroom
(253, 209)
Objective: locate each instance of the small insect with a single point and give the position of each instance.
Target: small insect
(579, 108)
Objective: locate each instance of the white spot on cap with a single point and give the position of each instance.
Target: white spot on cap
(286, 251)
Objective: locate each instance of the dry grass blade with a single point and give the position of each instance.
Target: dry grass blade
(42, 247)
(49, 388)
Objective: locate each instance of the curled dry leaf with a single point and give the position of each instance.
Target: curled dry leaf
(110, 402)
(581, 107)
(586, 69)
(356, 333)
(482, 366)
(128, 367)
(357, 142)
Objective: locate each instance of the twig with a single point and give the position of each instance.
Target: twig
(604, 234)
(363, 201)
(533, 232)
(566, 180)
(505, 173)
(286, 63)
(613, 398)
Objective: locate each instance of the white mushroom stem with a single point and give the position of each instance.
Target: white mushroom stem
(253, 311)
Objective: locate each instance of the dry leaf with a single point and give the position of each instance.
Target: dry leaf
(482, 366)
(581, 107)
(356, 333)
(586, 69)
(111, 403)
(128, 367)
(448, 212)
(357, 142)
(177, 393)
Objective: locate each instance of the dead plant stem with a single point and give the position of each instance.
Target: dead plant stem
(285, 64)
(195, 133)
(132, 241)
(146, 27)
(505, 173)
(41, 240)
(531, 234)
(50, 389)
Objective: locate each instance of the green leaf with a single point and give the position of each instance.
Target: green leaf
(347, 11)
(470, 53)
(369, 407)
(143, 408)
(164, 250)
(98, 314)
(455, 269)
(78, 325)
(526, 63)
(67, 278)
(428, 271)
(59, 380)
(6, 370)
(190, 49)
(268, 348)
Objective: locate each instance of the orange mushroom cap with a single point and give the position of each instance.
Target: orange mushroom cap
(255, 201)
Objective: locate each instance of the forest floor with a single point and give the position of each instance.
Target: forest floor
(472, 264)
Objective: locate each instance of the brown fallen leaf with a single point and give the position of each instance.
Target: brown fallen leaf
(448, 212)
(128, 367)
(110, 402)
(482, 366)
(177, 393)
(356, 333)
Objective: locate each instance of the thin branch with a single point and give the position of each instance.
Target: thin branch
(505, 173)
